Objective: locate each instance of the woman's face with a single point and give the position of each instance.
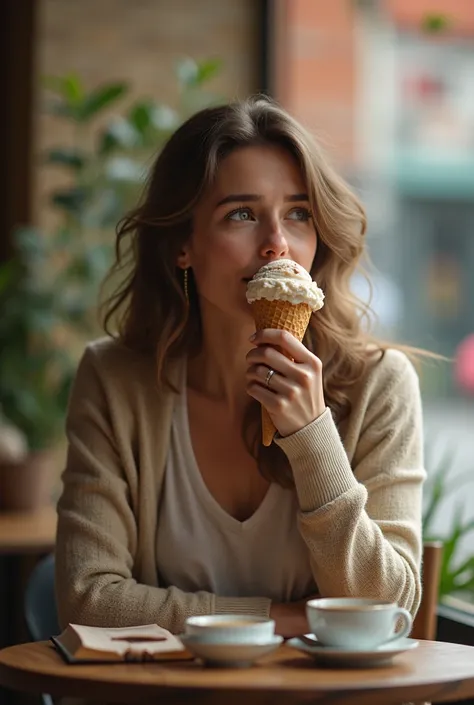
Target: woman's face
(257, 211)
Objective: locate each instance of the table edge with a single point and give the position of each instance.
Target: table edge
(25, 680)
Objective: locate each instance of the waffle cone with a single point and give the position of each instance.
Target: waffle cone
(285, 316)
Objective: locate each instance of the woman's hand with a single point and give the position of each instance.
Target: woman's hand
(293, 395)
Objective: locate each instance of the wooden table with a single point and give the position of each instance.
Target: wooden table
(24, 537)
(436, 671)
(24, 533)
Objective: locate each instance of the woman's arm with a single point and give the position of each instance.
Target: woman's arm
(98, 528)
(362, 524)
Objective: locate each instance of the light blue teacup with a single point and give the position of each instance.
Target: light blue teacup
(231, 629)
(356, 623)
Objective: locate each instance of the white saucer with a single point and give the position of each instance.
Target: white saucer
(230, 655)
(334, 656)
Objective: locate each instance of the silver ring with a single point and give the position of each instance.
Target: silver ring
(268, 378)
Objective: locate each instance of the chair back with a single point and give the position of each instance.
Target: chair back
(40, 601)
(40, 606)
(424, 625)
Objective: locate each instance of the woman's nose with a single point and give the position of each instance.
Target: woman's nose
(274, 242)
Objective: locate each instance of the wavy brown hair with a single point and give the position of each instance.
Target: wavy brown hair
(148, 310)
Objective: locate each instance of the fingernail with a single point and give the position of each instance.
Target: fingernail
(252, 337)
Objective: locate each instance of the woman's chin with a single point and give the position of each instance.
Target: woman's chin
(246, 309)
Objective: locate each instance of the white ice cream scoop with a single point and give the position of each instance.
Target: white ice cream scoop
(285, 280)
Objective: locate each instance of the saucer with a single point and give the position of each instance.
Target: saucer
(229, 655)
(366, 658)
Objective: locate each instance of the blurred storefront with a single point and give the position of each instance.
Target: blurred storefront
(434, 178)
(394, 101)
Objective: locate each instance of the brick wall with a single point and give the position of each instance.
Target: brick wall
(316, 75)
(139, 40)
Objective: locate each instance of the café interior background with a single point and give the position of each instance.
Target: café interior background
(387, 85)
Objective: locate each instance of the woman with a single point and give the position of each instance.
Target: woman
(171, 505)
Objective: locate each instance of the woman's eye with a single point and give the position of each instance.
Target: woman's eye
(300, 214)
(240, 214)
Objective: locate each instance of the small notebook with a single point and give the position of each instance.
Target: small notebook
(81, 644)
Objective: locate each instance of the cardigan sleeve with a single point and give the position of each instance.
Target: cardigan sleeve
(362, 523)
(98, 530)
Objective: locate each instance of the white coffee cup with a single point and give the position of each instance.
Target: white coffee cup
(231, 629)
(356, 623)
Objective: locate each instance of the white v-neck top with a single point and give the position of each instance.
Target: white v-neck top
(202, 547)
(359, 489)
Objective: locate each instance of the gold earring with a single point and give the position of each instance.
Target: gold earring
(185, 286)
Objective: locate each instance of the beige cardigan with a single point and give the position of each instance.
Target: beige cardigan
(359, 498)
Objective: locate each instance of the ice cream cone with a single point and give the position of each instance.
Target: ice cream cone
(282, 315)
(268, 428)
(282, 295)
(285, 316)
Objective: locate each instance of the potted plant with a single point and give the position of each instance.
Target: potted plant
(457, 575)
(43, 305)
(48, 290)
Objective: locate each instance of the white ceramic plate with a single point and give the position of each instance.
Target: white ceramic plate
(230, 655)
(333, 656)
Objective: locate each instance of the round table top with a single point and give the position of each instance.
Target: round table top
(434, 671)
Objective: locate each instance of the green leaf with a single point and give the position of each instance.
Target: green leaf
(449, 572)
(208, 69)
(435, 23)
(100, 99)
(466, 566)
(69, 93)
(187, 71)
(71, 158)
(70, 200)
(73, 90)
(140, 116)
(193, 74)
(68, 87)
(64, 388)
(119, 134)
(466, 585)
(9, 271)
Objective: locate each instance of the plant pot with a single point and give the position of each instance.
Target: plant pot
(27, 485)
